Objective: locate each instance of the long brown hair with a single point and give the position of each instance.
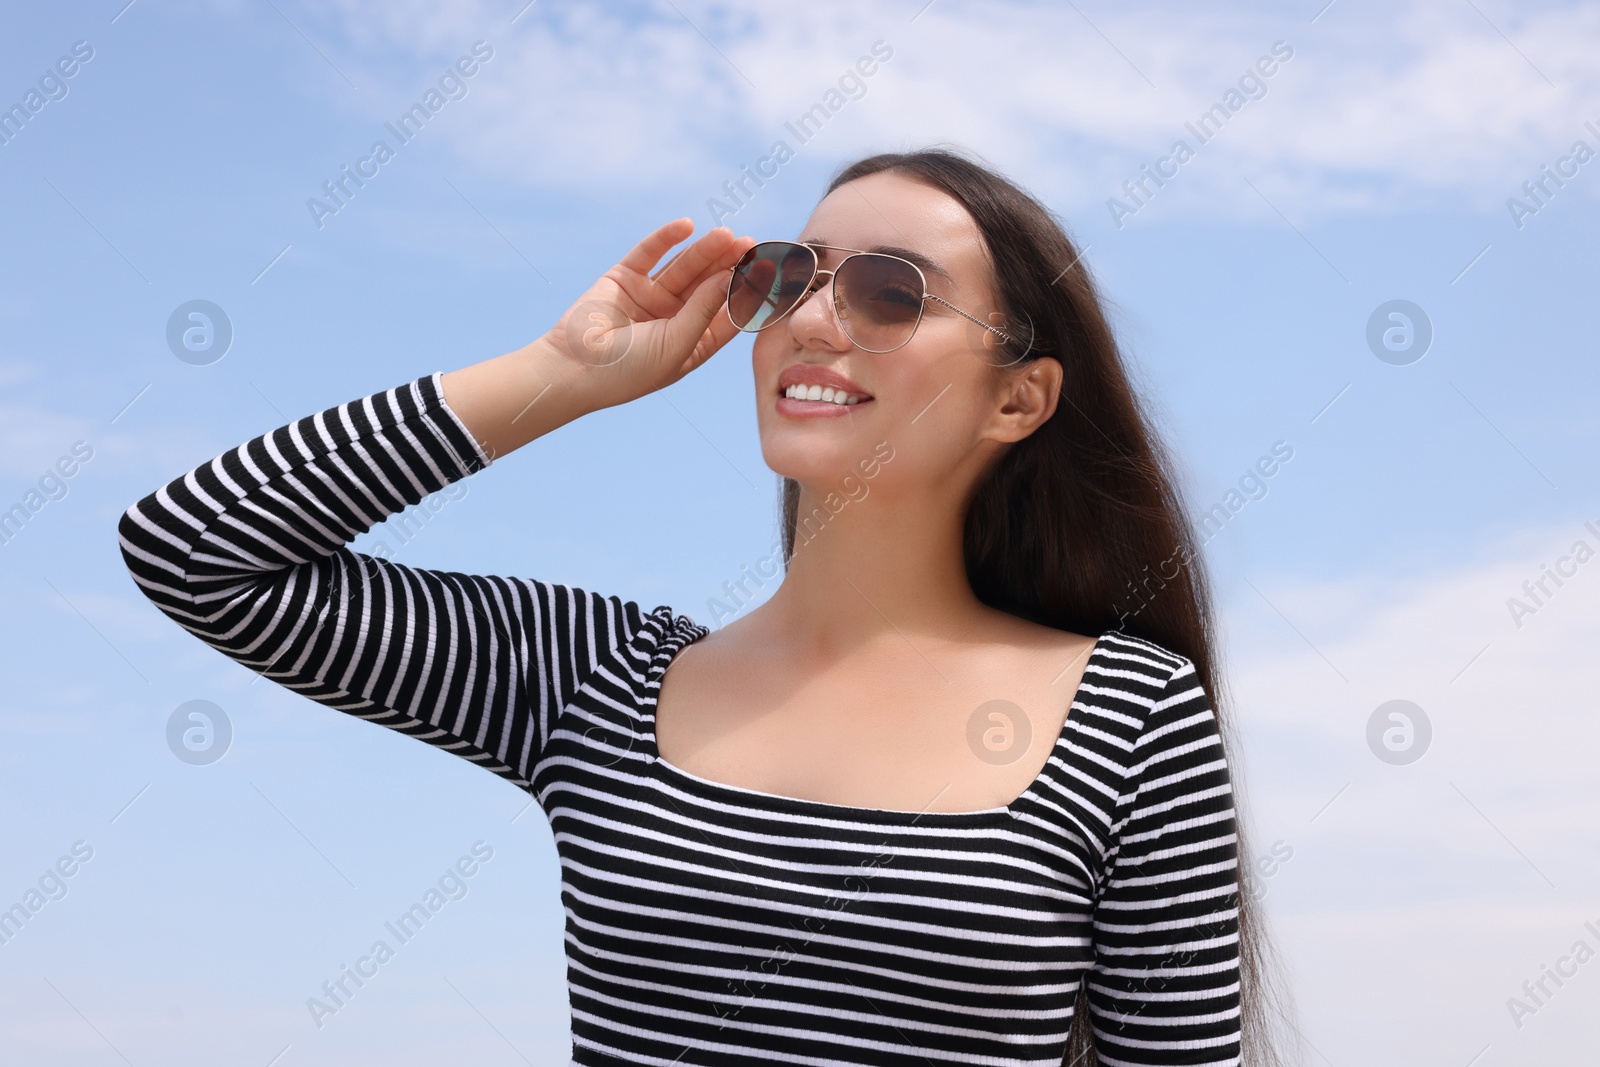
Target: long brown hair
(1080, 525)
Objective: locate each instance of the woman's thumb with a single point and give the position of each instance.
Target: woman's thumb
(689, 324)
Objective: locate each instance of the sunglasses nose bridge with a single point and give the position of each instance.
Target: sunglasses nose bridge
(820, 280)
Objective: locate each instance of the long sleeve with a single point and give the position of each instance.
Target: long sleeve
(1165, 984)
(248, 553)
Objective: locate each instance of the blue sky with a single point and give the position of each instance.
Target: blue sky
(1376, 163)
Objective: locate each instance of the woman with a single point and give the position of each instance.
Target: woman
(955, 793)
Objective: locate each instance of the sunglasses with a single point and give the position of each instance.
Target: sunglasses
(879, 298)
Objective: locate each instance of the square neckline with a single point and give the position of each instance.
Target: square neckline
(849, 811)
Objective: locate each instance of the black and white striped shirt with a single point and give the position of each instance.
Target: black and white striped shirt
(709, 923)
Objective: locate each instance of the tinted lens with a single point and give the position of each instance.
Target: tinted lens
(768, 281)
(879, 300)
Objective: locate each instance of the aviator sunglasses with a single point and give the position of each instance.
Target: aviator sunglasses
(878, 297)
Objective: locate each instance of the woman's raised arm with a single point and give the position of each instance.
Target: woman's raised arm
(249, 551)
(628, 335)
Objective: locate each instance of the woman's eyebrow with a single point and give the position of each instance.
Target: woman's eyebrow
(894, 250)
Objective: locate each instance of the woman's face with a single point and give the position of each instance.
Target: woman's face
(935, 401)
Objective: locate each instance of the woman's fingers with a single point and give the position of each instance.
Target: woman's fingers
(713, 265)
(661, 297)
(722, 329)
(642, 258)
(688, 268)
(712, 285)
(714, 280)
(681, 305)
(700, 328)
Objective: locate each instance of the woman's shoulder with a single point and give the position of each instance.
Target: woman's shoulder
(1114, 656)
(1143, 685)
(1142, 655)
(673, 629)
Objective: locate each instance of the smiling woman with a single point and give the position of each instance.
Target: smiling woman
(927, 803)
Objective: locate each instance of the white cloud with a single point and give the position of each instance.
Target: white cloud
(1457, 874)
(1379, 109)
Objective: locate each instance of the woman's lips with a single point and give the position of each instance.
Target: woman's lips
(817, 379)
(817, 409)
(811, 391)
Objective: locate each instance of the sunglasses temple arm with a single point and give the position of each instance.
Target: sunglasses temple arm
(1003, 335)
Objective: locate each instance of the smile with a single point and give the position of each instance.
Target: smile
(825, 394)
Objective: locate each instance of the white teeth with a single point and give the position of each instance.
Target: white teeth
(827, 395)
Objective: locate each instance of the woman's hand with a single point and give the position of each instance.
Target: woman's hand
(630, 334)
(633, 332)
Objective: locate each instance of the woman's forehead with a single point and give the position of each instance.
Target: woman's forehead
(890, 213)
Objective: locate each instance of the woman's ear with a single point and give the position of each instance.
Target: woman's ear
(1027, 396)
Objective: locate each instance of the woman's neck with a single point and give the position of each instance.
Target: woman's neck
(878, 566)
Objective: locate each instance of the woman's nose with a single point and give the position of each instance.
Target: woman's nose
(822, 288)
(821, 281)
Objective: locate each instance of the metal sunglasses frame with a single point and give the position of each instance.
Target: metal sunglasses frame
(813, 285)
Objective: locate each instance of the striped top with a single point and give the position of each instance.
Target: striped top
(708, 923)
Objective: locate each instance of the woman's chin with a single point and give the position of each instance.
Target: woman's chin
(813, 466)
